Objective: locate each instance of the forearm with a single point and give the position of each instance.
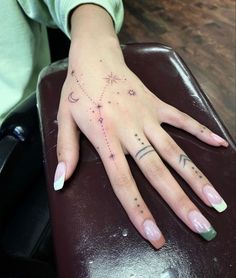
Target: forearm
(92, 32)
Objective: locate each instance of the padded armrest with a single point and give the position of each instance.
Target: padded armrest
(92, 233)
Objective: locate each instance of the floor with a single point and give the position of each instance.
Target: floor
(202, 32)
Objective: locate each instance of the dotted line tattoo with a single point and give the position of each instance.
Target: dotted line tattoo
(183, 159)
(139, 139)
(203, 128)
(197, 172)
(137, 204)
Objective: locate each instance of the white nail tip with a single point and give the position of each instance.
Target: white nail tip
(58, 184)
(220, 207)
(59, 176)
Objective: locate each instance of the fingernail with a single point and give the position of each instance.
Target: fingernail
(202, 225)
(151, 230)
(214, 198)
(219, 139)
(59, 176)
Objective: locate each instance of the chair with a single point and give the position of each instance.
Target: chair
(93, 236)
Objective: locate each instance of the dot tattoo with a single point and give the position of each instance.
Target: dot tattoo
(138, 139)
(137, 204)
(203, 128)
(197, 172)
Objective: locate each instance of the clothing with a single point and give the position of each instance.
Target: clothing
(24, 48)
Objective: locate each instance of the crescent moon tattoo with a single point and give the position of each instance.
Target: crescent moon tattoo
(71, 98)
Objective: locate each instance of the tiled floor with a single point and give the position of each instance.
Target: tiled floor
(202, 32)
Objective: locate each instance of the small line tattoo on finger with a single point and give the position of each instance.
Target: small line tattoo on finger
(146, 153)
(141, 150)
(183, 159)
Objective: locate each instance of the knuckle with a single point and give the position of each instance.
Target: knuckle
(154, 170)
(169, 148)
(183, 201)
(181, 118)
(123, 180)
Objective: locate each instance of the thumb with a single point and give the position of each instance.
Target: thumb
(67, 148)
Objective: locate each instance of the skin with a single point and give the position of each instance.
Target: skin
(103, 99)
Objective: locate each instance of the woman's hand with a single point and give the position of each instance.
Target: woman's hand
(119, 115)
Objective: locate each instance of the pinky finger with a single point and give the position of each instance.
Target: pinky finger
(183, 121)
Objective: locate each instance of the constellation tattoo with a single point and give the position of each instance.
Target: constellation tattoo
(97, 105)
(137, 204)
(71, 98)
(183, 158)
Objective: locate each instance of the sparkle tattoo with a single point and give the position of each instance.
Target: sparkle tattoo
(111, 78)
(131, 93)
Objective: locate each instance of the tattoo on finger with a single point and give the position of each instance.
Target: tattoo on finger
(144, 150)
(183, 159)
(203, 129)
(138, 205)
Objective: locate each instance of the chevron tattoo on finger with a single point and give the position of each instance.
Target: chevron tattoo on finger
(183, 158)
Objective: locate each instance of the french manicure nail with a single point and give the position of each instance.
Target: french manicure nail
(60, 176)
(214, 198)
(219, 139)
(151, 230)
(202, 225)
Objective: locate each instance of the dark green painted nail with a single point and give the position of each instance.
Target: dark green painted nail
(209, 235)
